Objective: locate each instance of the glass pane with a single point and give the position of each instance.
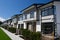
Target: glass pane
(32, 14)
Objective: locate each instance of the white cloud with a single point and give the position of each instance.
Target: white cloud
(2, 19)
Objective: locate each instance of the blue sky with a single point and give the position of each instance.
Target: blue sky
(12, 7)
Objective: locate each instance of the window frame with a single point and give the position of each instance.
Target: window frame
(32, 14)
(48, 11)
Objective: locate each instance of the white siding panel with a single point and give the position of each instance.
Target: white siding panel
(38, 26)
(57, 12)
(25, 26)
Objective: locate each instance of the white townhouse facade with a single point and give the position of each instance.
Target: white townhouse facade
(9, 22)
(47, 19)
(14, 21)
(43, 18)
(29, 19)
(20, 22)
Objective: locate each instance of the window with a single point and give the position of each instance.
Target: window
(47, 11)
(32, 14)
(21, 17)
(15, 19)
(44, 13)
(50, 11)
(25, 16)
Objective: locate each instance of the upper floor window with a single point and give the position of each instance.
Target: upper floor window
(32, 14)
(14, 19)
(21, 17)
(47, 11)
(25, 16)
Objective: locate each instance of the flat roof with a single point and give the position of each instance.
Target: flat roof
(31, 6)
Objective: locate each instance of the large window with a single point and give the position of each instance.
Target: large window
(32, 14)
(48, 11)
(47, 28)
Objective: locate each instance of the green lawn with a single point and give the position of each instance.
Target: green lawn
(3, 36)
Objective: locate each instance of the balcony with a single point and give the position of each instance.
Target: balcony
(49, 18)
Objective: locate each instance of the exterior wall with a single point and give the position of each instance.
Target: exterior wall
(38, 26)
(14, 20)
(5, 23)
(12, 24)
(28, 17)
(30, 27)
(25, 26)
(57, 13)
(9, 23)
(20, 22)
(38, 23)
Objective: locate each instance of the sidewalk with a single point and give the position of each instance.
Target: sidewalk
(11, 35)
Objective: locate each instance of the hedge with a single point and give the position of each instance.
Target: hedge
(28, 35)
(11, 29)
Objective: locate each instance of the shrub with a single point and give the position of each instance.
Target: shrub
(28, 35)
(36, 36)
(5, 26)
(13, 30)
(20, 31)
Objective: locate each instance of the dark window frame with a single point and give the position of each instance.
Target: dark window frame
(48, 11)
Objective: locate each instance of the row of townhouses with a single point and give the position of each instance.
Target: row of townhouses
(44, 18)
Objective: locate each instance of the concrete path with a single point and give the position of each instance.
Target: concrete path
(11, 35)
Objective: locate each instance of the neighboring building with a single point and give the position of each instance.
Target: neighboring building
(4, 23)
(9, 22)
(20, 22)
(14, 21)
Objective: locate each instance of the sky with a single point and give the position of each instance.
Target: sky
(9, 8)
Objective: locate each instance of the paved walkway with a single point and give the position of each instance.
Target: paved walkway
(11, 35)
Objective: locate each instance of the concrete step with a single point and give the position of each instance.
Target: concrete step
(47, 38)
